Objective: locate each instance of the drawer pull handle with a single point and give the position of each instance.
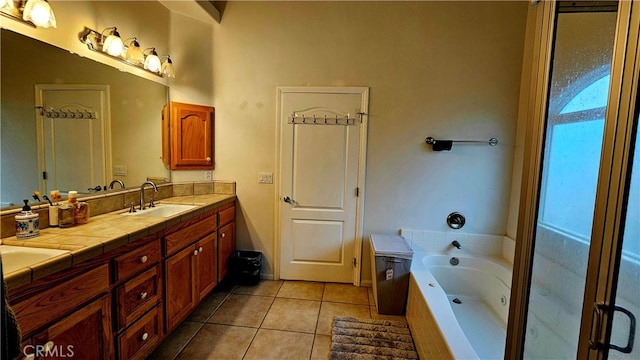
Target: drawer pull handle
(144, 259)
(145, 336)
(200, 249)
(195, 252)
(223, 235)
(143, 295)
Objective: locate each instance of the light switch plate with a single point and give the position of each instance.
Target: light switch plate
(265, 177)
(120, 170)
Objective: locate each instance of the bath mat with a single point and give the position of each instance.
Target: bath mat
(366, 339)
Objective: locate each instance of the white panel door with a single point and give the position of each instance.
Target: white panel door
(319, 170)
(73, 140)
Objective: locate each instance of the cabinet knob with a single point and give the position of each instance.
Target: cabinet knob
(208, 158)
(195, 252)
(223, 235)
(144, 336)
(200, 249)
(144, 259)
(143, 295)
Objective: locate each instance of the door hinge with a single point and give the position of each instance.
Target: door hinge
(357, 192)
(44, 175)
(355, 262)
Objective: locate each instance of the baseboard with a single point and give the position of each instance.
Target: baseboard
(366, 283)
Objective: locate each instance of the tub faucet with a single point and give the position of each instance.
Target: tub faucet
(116, 181)
(456, 244)
(155, 189)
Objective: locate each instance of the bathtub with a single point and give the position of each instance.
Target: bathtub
(461, 311)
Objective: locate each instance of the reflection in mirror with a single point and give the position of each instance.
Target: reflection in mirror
(135, 110)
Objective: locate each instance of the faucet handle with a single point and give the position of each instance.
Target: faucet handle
(151, 203)
(132, 207)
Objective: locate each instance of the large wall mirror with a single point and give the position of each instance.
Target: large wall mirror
(133, 138)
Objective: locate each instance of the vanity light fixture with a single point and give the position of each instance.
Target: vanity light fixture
(167, 67)
(37, 13)
(109, 43)
(134, 51)
(151, 60)
(112, 44)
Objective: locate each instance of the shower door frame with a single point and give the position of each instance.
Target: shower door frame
(606, 238)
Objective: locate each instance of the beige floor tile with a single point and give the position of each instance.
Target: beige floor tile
(219, 342)
(172, 345)
(328, 310)
(375, 315)
(275, 344)
(301, 290)
(345, 293)
(292, 315)
(207, 307)
(242, 310)
(263, 288)
(321, 347)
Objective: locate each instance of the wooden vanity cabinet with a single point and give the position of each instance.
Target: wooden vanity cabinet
(226, 240)
(191, 134)
(190, 273)
(85, 333)
(138, 297)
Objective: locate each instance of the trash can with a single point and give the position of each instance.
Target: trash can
(390, 265)
(245, 267)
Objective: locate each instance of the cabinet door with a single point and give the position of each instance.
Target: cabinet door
(85, 333)
(206, 265)
(226, 246)
(181, 297)
(191, 137)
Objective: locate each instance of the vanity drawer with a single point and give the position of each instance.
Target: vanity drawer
(226, 216)
(138, 295)
(142, 337)
(189, 234)
(137, 260)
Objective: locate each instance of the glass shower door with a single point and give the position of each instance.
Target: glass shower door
(575, 122)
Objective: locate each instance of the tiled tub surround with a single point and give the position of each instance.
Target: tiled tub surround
(106, 229)
(439, 331)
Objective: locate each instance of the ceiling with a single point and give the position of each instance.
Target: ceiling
(204, 11)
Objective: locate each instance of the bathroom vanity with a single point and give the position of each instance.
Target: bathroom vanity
(127, 280)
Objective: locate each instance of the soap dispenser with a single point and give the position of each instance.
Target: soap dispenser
(27, 223)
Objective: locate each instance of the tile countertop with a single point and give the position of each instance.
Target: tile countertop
(101, 234)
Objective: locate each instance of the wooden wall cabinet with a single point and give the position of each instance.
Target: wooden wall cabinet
(188, 145)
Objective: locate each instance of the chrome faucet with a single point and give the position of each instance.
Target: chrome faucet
(155, 189)
(456, 244)
(116, 181)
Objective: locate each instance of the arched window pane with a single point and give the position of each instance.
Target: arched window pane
(592, 97)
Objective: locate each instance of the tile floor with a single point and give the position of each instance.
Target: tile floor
(271, 320)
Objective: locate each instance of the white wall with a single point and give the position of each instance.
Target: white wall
(443, 69)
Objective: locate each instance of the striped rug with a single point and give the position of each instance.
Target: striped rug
(366, 339)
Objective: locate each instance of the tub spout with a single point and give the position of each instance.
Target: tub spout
(456, 244)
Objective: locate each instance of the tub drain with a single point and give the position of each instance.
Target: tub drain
(457, 301)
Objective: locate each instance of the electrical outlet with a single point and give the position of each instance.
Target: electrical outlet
(265, 178)
(120, 170)
(208, 175)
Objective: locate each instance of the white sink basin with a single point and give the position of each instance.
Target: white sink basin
(161, 210)
(18, 257)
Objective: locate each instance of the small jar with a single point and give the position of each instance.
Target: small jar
(66, 215)
(27, 223)
(81, 213)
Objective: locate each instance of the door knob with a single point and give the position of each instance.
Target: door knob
(288, 200)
